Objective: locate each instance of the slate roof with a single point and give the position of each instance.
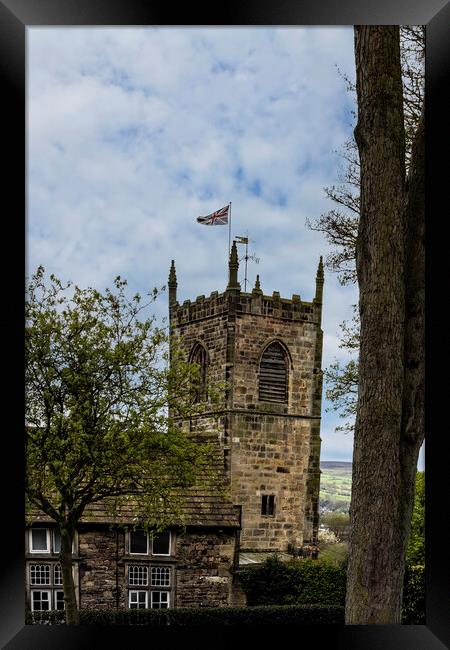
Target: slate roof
(208, 505)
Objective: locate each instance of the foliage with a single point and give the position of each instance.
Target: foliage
(45, 618)
(300, 582)
(413, 606)
(271, 615)
(415, 553)
(98, 396)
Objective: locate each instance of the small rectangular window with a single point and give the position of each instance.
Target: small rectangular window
(40, 601)
(137, 600)
(268, 504)
(39, 540)
(161, 544)
(138, 542)
(159, 599)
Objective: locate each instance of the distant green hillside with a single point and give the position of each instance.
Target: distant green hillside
(335, 485)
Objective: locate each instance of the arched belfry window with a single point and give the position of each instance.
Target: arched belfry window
(199, 356)
(273, 374)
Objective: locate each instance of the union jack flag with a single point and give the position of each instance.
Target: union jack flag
(219, 218)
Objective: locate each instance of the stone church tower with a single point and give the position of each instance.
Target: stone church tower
(269, 350)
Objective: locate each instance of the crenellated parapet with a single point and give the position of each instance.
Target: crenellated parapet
(255, 302)
(216, 304)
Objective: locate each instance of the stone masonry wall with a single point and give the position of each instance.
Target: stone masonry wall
(100, 573)
(201, 562)
(270, 450)
(270, 456)
(204, 563)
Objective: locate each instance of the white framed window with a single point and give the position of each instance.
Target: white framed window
(160, 599)
(160, 576)
(40, 574)
(45, 586)
(138, 575)
(40, 600)
(39, 540)
(137, 599)
(141, 543)
(161, 543)
(59, 599)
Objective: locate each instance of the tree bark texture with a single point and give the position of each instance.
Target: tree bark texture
(70, 601)
(385, 456)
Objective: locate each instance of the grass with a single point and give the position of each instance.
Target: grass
(335, 482)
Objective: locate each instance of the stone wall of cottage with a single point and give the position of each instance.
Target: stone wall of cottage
(201, 561)
(102, 571)
(204, 569)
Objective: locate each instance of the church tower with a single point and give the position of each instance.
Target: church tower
(269, 351)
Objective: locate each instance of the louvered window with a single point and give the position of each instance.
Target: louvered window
(273, 375)
(198, 356)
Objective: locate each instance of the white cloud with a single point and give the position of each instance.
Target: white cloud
(133, 133)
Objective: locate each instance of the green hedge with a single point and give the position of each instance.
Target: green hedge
(280, 615)
(307, 581)
(299, 582)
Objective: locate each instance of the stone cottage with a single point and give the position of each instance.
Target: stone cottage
(267, 436)
(117, 565)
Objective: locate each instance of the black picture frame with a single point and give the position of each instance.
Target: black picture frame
(15, 17)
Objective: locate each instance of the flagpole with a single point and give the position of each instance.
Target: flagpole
(229, 233)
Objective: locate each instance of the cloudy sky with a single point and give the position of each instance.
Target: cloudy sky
(134, 132)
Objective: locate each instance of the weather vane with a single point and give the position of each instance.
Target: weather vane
(246, 257)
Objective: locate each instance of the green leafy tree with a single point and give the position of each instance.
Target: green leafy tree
(101, 410)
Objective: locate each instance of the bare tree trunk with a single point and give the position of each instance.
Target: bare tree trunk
(70, 601)
(388, 415)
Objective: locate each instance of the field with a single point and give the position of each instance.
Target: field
(335, 485)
